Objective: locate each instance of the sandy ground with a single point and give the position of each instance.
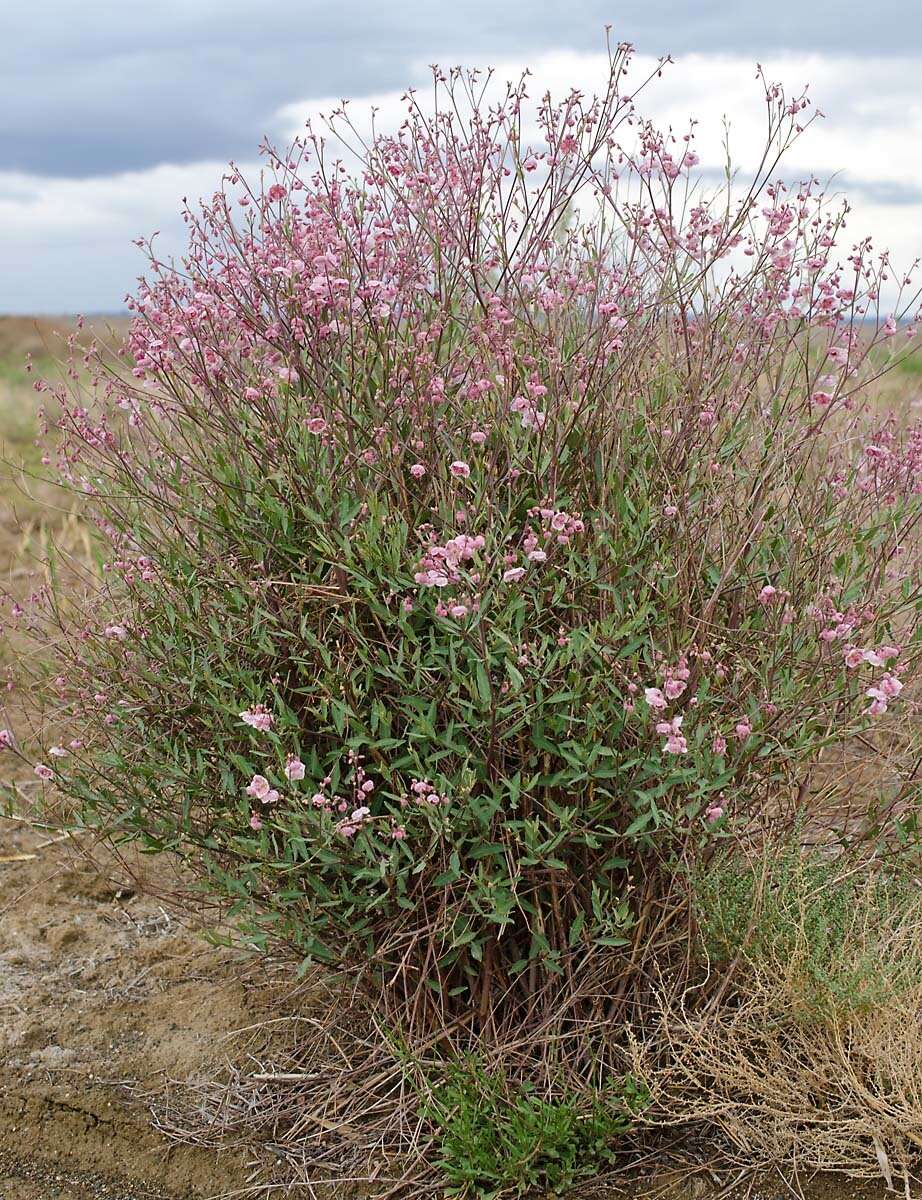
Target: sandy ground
(99, 990)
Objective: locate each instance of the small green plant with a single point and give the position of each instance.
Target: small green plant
(503, 1140)
(805, 918)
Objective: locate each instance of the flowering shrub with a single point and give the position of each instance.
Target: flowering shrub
(495, 527)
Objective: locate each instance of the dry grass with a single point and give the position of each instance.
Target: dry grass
(30, 504)
(812, 1059)
(844, 1096)
(320, 1087)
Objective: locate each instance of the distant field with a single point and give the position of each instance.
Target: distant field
(26, 502)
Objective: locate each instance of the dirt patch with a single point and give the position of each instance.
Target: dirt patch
(100, 989)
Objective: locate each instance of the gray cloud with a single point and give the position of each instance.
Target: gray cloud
(97, 87)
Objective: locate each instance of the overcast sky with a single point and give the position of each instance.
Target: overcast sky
(111, 111)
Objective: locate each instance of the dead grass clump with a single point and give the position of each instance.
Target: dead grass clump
(844, 1096)
(328, 1096)
(811, 1058)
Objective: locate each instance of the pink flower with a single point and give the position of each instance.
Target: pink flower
(742, 729)
(398, 833)
(417, 470)
(294, 768)
(654, 697)
(43, 772)
(670, 510)
(719, 745)
(316, 425)
(714, 813)
(256, 821)
(478, 437)
(276, 192)
(57, 751)
(674, 688)
(675, 742)
(878, 705)
(460, 470)
(350, 825)
(890, 686)
(432, 579)
(118, 632)
(6, 739)
(513, 575)
(258, 717)
(854, 657)
(538, 556)
(767, 594)
(258, 787)
(458, 611)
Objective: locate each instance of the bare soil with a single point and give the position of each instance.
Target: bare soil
(100, 990)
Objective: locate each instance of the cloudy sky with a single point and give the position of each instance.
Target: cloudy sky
(112, 110)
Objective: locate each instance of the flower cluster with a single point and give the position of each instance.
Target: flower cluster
(443, 565)
(258, 717)
(423, 792)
